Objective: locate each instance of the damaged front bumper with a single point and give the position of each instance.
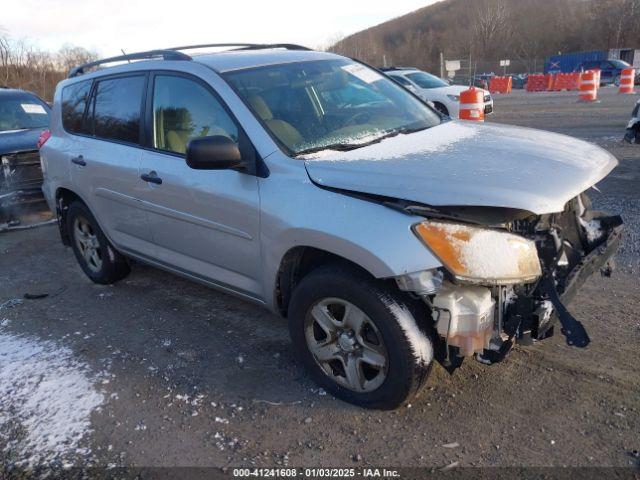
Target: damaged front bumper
(533, 317)
(486, 321)
(599, 259)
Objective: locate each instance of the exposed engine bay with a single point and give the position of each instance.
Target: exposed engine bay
(486, 320)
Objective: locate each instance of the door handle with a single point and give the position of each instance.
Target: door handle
(151, 177)
(79, 160)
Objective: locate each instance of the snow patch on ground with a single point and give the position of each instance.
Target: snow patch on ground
(46, 399)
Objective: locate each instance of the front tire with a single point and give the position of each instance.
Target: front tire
(96, 256)
(358, 338)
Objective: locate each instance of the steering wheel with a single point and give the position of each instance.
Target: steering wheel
(353, 119)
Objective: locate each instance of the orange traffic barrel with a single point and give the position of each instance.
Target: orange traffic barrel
(588, 89)
(626, 80)
(472, 105)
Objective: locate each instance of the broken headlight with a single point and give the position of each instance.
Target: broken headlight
(481, 255)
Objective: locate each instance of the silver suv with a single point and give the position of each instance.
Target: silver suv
(390, 236)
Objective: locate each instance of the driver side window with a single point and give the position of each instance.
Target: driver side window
(183, 109)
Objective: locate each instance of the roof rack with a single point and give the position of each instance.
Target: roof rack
(174, 53)
(164, 54)
(242, 46)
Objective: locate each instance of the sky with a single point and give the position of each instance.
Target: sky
(108, 26)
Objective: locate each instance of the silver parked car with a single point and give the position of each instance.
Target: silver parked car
(390, 236)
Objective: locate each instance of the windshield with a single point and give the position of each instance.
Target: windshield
(619, 63)
(426, 80)
(18, 112)
(329, 104)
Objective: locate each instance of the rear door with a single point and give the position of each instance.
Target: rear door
(204, 222)
(106, 162)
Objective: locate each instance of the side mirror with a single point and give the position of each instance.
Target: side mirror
(213, 153)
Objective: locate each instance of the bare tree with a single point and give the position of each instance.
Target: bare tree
(492, 27)
(24, 65)
(70, 56)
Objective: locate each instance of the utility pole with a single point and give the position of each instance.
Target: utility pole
(441, 65)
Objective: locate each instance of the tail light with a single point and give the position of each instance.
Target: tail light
(44, 136)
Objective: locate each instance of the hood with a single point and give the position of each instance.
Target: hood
(13, 141)
(469, 164)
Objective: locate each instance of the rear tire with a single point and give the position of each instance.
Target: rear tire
(378, 343)
(96, 256)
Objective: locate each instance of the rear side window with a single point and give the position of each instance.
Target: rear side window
(117, 105)
(74, 101)
(401, 80)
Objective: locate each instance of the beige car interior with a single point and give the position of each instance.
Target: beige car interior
(175, 126)
(285, 132)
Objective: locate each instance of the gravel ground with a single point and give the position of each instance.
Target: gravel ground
(158, 371)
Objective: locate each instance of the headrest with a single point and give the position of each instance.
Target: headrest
(260, 107)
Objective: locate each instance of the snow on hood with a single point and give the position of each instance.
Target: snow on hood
(469, 164)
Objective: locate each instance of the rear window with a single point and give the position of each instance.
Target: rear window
(74, 101)
(116, 111)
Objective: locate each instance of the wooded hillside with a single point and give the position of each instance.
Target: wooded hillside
(23, 65)
(524, 30)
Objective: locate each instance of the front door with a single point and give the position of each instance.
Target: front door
(203, 222)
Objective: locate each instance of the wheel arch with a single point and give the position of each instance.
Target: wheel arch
(441, 107)
(298, 262)
(64, 197)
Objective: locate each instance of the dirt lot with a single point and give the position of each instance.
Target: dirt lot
(159, 371)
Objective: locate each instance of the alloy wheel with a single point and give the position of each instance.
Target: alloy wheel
(346, 344)
(87, 243)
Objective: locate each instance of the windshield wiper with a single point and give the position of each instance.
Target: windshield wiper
(406, 131)
(345, 147)
(341, 147)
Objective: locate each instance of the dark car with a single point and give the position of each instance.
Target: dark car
(610, 70)
(633, 127)
(23, 118)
